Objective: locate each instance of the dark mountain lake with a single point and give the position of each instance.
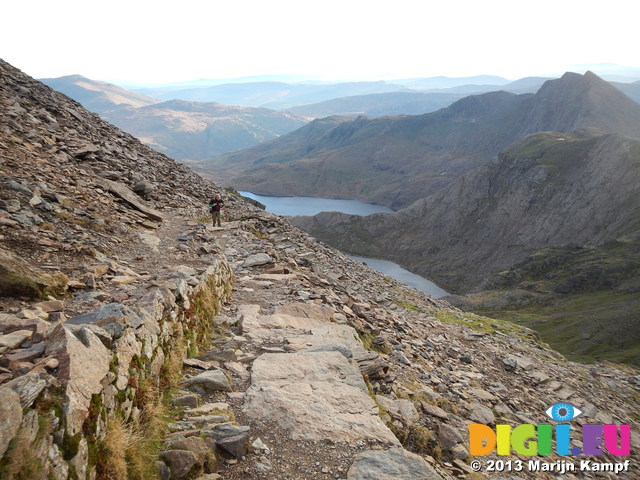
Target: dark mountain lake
(291, 206)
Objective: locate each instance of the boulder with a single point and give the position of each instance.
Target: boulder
(29, 386)
(132, 199)
(82, 366)
(401, 409)
(481, 414)
(197, 446)
(448, 437)
(392, 464)
(257, 259)
(208, 382)
(111, 312)
(14, 339)
(434, 411)
(18, 278)
(234, 439)
(10, 417)
(181, 463)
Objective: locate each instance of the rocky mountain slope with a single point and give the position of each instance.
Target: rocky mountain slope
(398, 160)
(137, 341)
(183, 130)
(578, 190)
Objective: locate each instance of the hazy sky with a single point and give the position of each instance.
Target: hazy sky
(156, 42)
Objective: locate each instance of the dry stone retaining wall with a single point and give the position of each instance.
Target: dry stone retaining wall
(99, 368)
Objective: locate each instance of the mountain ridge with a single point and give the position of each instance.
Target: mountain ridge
(397, 160)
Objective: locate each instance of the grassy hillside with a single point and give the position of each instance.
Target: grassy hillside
(97, 96)
(584, 301)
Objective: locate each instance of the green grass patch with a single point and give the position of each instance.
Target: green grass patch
(585, 327)
(583, 300)
(484, 324)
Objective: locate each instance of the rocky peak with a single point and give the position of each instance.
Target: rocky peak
(575, 101)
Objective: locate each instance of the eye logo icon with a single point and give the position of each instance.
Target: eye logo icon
(563, 412)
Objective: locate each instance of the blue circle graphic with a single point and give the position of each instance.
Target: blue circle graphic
(562, 412)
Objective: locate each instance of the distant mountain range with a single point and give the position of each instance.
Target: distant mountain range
(411, 103)
(276, 95)
(190, 131)
(397, 160)
(287, 96)
(183, 130)
(378, 104)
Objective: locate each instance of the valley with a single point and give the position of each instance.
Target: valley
(483, 181)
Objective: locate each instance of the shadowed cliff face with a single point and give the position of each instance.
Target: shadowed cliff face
(398, 160)
(549, 189)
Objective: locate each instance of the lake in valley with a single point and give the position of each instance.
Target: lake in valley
(292, 206)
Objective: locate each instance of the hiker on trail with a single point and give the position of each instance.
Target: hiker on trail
(215, 205)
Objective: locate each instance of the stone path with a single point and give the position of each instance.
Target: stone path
(315, 390)
(295, 368)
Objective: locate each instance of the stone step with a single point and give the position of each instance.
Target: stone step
(315, 396)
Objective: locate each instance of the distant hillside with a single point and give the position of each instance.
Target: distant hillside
(524, 85)
(632, 90)
(397, 160)
(430, 83)
(185, 131)
(97, 96)
(415, 102)
(378, 104)
(195, 130)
